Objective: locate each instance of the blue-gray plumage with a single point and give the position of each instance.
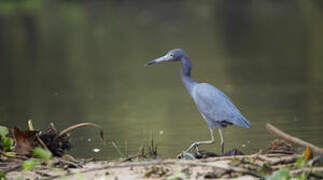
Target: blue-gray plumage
(215, 107)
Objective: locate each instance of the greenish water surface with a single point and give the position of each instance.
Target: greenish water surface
(69, 62)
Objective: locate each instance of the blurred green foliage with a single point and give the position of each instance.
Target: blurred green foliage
(43, 154)
(2, 176)
(31, 163)
(6, 142)
(281, 174)
(4, 131)
(284, 173)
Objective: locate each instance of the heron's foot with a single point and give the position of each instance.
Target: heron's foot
(196, 147)
(185, 155)
(179, 156)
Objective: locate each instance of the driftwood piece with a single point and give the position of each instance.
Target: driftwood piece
(292, 139)
(317, 152)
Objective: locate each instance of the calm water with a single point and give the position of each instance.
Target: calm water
(71, 62)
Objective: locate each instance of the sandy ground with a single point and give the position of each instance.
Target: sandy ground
(255, 166)
(153, 172)
(170, 169)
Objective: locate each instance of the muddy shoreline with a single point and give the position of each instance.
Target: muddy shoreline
(23, 158)
(256, 166)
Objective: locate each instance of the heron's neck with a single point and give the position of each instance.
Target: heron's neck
(186, 74)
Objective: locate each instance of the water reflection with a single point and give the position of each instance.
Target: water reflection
(71, 62)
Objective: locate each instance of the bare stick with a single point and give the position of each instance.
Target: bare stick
(292, 139)
(41, 142)
(78, 126)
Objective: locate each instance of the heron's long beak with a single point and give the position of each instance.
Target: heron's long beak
(158, 60)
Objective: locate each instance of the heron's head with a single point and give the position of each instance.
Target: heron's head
(172, 55)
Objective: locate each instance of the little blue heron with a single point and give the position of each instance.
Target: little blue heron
(215, 107)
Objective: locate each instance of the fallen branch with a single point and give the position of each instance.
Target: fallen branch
(292, 139)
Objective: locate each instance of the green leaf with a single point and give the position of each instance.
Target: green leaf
(302, 176)
(7, 144)
(2, 175)
(301, 162)
(281, 174)
(3, 131)
(42, 153)
(30, 164)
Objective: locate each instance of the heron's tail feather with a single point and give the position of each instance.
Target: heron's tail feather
(242, 121)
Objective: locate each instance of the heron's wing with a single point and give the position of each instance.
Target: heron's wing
(216, 106)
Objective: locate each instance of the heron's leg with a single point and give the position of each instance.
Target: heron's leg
(196, 144)
(222, 141)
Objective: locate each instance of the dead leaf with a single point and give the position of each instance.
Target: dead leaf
(24, 141)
